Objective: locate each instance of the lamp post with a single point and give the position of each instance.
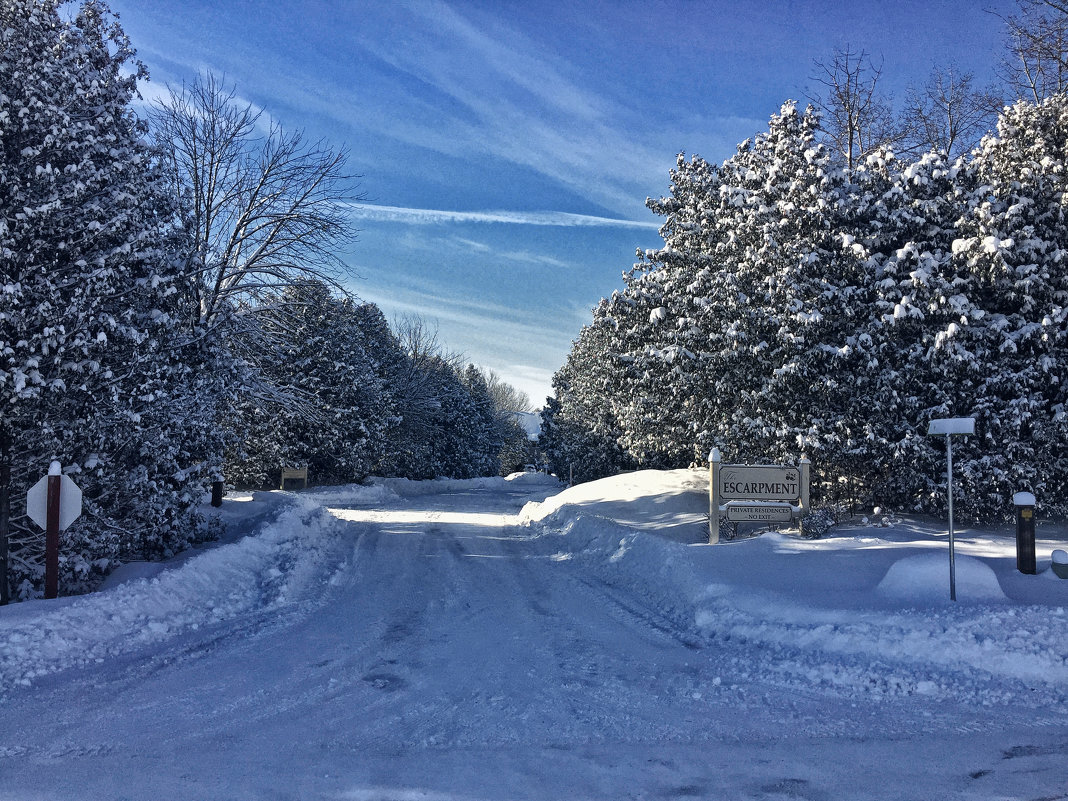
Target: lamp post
(947, 427)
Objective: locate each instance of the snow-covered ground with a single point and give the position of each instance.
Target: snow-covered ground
(508, 639)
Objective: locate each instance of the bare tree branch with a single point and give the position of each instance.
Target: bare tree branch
(948, 113)
(856, 116)
(1036, 64)
(263, 209)
(506, 398)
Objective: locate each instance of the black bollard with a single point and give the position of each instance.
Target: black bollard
(216, 493)
(1025, 532)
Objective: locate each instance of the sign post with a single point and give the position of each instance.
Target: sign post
(714, 460)
(947, 427)
(53, 503)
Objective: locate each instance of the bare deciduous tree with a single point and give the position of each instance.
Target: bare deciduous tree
(948, 113)
(506, 398)
(414, 380)
(856, 116)
(263, 206)
(1036, 65)
(419, 338)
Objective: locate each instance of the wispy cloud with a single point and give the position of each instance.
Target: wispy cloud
(452, 80)
(436, 300)
(492, 91)
(512, 256)
(526, 257)
(544, 218)
(525, 348)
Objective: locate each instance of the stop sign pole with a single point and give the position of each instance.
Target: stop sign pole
(52, 532)
(53, 503)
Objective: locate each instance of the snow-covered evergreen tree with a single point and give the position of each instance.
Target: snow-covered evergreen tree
(580, 433)
(485, 430)
(904, 220)
(398, 380)
(96, 369)
(327, 413)
(741, 331)
(1013, 245)
(795, 308)
(449, 440)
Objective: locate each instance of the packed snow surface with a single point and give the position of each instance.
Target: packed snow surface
(509, 638)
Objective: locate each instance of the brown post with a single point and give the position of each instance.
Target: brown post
(52, 533)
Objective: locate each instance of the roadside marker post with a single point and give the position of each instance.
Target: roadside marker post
(1025, 532)
(53, 503)
(948, 427)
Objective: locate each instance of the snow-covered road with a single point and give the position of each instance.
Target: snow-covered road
(430, 647)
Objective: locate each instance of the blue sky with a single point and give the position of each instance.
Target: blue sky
(506, 149)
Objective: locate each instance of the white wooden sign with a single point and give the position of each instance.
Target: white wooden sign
(70, 502)
(764, 493)
(759, 512)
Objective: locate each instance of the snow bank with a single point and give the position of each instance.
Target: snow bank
(924, 579)
(673, 503)
(406, 488)
(377, 493)
(851, 614)
(301, 549)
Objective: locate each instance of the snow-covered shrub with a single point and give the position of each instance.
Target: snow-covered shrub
(819, 521)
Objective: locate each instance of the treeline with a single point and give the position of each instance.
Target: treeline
(801, 306)
(170, 312)
(350, 396)
(844, 278)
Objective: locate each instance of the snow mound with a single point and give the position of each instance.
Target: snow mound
(531, 479)
(353, 494)
(283, 562)
(924, 579)
(673, 503)
(407, 488)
